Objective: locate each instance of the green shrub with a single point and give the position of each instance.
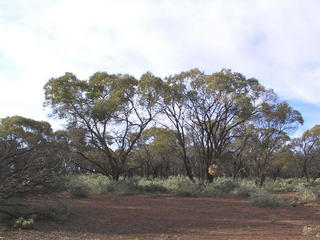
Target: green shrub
(10, 211)
(281, 185)
(316, 190)
(58, 212)
(243, 191)
(79, 191)
(306, 195)
(225, 185)
(264, 199)
(220, 187)
(154, 185)
(154, 188)
(175, 183)
(188, 190)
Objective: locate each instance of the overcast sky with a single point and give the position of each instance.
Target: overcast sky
(275, 41)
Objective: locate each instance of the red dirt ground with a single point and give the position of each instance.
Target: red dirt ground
(166, 217)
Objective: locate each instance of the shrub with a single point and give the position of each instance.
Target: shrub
(154, 185)
(264, 199)
(281, 185)
(306, 195)
(12, 213)
(219, 187)
(176, 183)
(188, 190)
(58, 212)
(154, 188)
(8, 214)
(243, 191)
(79, 191)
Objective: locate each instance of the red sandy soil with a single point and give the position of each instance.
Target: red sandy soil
(166, 217)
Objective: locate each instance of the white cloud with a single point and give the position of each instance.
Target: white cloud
(274, 41)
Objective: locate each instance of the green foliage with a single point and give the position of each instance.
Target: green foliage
(29, 160)
(243, 191)
(92, 183)
(186, 190)
(281, 185)
(9, 212)
(219, 187)
(114, 109)
(61, 211)
(306, 194)
(174, 183)
(23, 223)
(78, 190)
(264, 199)
(152, 186)
(184, 187)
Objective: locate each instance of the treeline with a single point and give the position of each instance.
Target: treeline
(190, 124)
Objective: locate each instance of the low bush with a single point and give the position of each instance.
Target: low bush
(79, 191)
(306, 194)
(9, 212)
(243, 191)
(154, 188)
(281, 185)
(61, 211)
(188, 190)
(176, 183)
(261, 198)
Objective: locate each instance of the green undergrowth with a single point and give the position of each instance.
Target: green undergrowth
(81, 186)
(19, 215)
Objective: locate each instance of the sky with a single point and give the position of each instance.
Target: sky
(275, 41)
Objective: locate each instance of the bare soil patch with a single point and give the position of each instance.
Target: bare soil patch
(167, 217)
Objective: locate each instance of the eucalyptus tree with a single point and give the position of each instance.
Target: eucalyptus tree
(272, 127)
(307, 153)
(27, 159)
(156, 153)
(107, 109)
(175, 91)
(238, 150)
(210, 107)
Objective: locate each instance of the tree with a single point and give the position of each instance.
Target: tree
(307, 153)
(105, 110)
(27, 162)
(156, 153)
(238, 150)
(174, 111)
(272, 127)
(210, 107)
